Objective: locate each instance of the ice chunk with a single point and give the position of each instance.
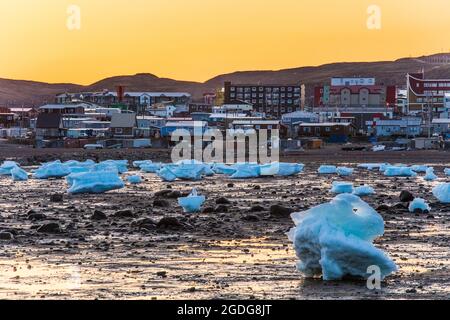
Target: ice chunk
(54, 169)
(342, 187)
(327, 170)
(419, 168)
(336, 239)
(344, 171)
(151, 167)
(6, 167)
(442, 192)
(281, 169)
(139, 164)
(430, 176)
(246, 171)
(192, 203)
(94, 182)
(18, 174)
(193, 172)
(221, 168)
(363, 191)
(399, 172)
(166, 174)
(134, 179)
(419, 204)
(121, 165)
(447, 172)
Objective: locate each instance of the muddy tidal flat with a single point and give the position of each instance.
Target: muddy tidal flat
(136, 243)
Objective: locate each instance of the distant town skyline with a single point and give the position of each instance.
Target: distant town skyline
(82, 41)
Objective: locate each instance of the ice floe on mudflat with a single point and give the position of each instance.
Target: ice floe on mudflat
(419, 204)
(335, 240)
(363, 191)
(192, 203)
(339, 187)
(442, 192)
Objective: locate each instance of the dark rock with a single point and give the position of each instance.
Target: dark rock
(257, 208)
(174, 195)
(223, 200)
(99, 215)
(406, 196)
(383, 207)
(51, 227)
(169, 223)
(280, 211)
(257, 187)
(162, 193)
(124, 214)
(162, 274)
(144, 223)
(250, 218)
(208, 210)
(6, 236)
(230, 185)
(36, 216)
(57, 197)
(161, 203)
(221, 209)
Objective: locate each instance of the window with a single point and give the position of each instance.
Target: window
(119, 130)
(328, 129)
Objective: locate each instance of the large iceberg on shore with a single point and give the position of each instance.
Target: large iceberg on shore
(94, 182)
(335, 240)
(54, 169)
(442, 192)
(192, 203)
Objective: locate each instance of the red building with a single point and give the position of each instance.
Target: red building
(426, 94)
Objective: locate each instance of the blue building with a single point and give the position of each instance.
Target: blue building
(408, 126)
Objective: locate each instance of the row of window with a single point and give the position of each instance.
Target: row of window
(262, 89)
(436, 84)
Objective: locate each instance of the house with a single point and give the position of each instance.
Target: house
(7, 120)
(150, 126)
(407, 126)
(63, 108)
(195, 128)
(162, 110)
(49, 126)
(123, 125)
(441, 126)
(331, 131)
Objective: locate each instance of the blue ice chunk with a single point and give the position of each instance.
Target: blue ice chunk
(281, 169)
(363, 191)
(430, 176)
(94, 182)
(7, 166)
(166, 174)
(442, 192)
(18, 174)
(54, 169)
(246, 171)
(151, 167)
(419, 204)
(342, 187)
(121, 165)
(134, 179)
(327, 170)
(419, 168)
(447, 172)
(139, 164)
(192, 203)
(220, 168)
(193, 172)
(344, 171)
(335, 240)
(399, 172)
(384, 166)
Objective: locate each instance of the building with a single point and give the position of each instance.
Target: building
(235, 107)
(441, 126)
(426, 95)
(332, 132)
(162, 110)
(272, 100)
(200, 107)
(49, 126)
(354, 92)
(8, 120)
(123, 125)
(195, 128)
(64, 109)
(407, 127)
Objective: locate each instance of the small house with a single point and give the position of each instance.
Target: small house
(123, 125)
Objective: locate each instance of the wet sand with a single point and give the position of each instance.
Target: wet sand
(234, 250)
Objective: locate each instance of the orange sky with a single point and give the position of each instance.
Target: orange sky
(198, 39)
